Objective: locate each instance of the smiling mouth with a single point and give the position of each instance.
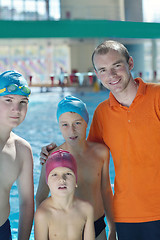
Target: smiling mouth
(114, 82)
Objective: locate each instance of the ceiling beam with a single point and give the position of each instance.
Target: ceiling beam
(78, 29)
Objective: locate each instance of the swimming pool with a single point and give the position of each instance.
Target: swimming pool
(40, 128)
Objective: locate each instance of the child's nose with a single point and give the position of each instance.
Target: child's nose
(73, 128)
(16, 107)
(63, 178)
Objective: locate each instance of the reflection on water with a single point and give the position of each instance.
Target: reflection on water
(40, 128)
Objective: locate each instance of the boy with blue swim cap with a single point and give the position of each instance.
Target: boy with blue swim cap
(12, 82)
(15, 155)
(92, 164)
(72, 104)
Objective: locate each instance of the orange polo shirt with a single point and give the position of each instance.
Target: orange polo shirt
(133, 137)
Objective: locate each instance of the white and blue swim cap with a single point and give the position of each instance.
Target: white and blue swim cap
(72, 104)
(12, 82)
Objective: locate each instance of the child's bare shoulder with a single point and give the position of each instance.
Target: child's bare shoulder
(23, 149)
(41, 212)
(97, 145)
(43, 207)
(98, 148)
(20, 141)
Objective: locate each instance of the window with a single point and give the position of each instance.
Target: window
(151, 10)
(30, 9)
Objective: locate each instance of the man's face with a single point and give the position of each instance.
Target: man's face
(113, 70)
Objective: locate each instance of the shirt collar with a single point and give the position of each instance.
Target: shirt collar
(141, 91)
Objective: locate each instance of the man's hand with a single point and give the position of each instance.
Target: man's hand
(45, 152)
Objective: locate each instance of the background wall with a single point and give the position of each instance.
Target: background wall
(75, 9)
(44, 48)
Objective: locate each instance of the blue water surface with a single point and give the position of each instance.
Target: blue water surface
(41, 128)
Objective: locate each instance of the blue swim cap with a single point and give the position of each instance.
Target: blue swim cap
(12, 82)
(72, 104)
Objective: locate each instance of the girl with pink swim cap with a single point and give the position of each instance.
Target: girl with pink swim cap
(62, 214)
(61, 158)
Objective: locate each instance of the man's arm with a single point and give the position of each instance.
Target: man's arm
(26, 192)
(107, 196)
(43, 189)
(95, 131)
(89, 232)
(40, 225)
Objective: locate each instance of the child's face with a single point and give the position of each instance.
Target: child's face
(61, 181)
(13, 109)
(73, 127)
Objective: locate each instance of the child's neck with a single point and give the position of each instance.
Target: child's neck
(77, 148)
(4, 134)
(62, 203)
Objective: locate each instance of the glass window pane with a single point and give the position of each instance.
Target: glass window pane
(6, 7)
(54, 9)
(151, 10)
(6, 3)
(30, 6)
(30, 10)
(18, 5)
(18, 10)
(41, 8)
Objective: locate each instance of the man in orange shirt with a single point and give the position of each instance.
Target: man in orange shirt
(129, 124)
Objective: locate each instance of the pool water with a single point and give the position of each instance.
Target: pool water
(41, 128)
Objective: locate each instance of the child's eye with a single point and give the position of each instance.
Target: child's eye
(54, 175)
(24, 102)
(64, 125)
(78, 123)
(8, 100)
(69, 173)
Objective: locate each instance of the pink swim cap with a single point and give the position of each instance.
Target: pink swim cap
(61, 158)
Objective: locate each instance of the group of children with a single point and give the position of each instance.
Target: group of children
(76, 173)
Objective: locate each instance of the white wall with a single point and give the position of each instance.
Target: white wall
(81, 55)
(93, 9)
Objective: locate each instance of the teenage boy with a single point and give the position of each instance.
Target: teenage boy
(92, 161)
(16, 162)
(62, 215)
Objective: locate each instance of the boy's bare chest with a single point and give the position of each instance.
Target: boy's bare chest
(66, 226)
(10, 166)
(89, 170)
